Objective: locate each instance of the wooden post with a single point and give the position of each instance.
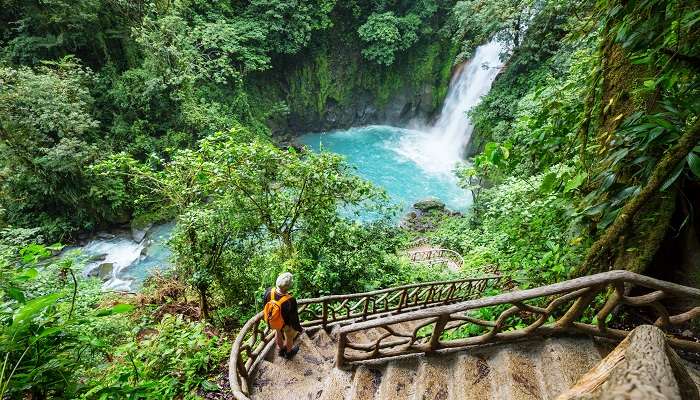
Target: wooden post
(450, 293)
(324, 313)
(429, 296)
(340, 354)
(402, 299)
(437, 332)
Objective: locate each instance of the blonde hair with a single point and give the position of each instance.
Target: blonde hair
(284, 282)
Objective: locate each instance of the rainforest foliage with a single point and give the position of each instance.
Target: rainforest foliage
(589, 138)
(584, 158)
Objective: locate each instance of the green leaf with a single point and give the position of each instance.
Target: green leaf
(117, 309)
(676, 173)
(27, 274)
(210, 386)
(33, 253)
(47, 332)
(591, 211)
(608, 218)
(55, 247)
(608, 181)
(548, 182)
(15, 294)
(694, 163)
(489, 148)
(575, 182)
(33, 307)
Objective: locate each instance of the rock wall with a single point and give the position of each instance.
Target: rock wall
(327, 89)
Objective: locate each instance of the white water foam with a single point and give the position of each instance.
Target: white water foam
(438, 148)
(121, 252)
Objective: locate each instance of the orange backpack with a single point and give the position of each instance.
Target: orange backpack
(272, 313)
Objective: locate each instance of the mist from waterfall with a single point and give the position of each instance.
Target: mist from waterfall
(439, 147)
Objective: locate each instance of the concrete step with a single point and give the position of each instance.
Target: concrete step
(337, 386)
(365, 383)
(302, 376)
(399, 380)
(434, 377)
(272, 379)
(308, 357)
(472, 378)
(516, 374)
(533, 370)
(325, 345)
(563, 361)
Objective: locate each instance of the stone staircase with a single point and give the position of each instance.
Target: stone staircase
(539, 369)
(428, 341)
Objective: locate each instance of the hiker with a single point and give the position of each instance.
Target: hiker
(281, 314)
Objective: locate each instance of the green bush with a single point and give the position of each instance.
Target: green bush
(528, 234)
(174, 360)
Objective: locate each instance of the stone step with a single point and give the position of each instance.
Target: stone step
(434, 377)
(365, 384)
(563, 361)
(399, 380)
(472, 377)
(337, 385)
(272, 379)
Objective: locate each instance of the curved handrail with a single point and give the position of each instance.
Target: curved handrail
(438, 254)
(255, 339)
(566, 301)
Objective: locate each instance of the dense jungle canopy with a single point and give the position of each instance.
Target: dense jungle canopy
(116, 114)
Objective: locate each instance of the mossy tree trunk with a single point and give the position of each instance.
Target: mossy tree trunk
(609, 251)
(637, 232)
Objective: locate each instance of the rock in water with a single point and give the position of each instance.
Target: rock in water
(97, 257)
(139, 232)
(429, 204)
(104, 270)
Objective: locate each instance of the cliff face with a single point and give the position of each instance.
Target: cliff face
(334, 88)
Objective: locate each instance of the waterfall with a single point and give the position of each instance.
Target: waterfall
(439, 147)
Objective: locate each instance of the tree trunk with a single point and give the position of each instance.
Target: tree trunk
(204, 303)
(287, 243)
(600, 256)
(646, 372)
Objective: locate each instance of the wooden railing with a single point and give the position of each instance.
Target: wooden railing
(565, 307)
(434, 256)
(255, 339)
(642, 366)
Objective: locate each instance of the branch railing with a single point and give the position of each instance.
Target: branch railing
(255, 339)
(433, 256)
(579, 306)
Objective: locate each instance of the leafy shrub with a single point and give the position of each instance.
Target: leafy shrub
(528, 234)
(173, 360)
(50, 332)
(386, 34)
